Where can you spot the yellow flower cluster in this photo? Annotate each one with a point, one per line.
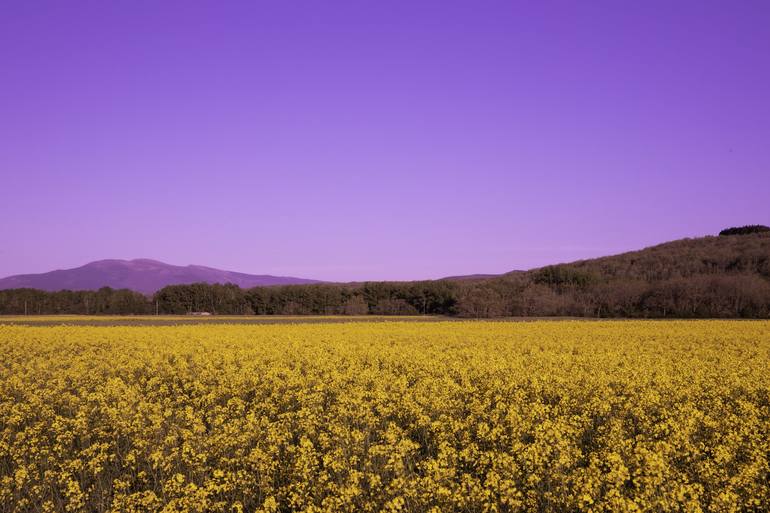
(387, 417)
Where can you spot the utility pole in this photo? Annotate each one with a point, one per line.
(156, 307)
(25, 307)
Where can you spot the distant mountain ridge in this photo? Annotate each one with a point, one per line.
(141, 275)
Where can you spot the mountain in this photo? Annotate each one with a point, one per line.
(142, 275)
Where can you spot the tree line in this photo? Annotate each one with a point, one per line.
(745, 230)
(709, 277)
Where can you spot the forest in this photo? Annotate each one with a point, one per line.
(721, 277)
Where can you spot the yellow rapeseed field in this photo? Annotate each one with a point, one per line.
(369, 417)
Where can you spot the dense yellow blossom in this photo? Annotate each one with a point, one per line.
(387, 417)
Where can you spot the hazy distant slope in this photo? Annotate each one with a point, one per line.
(471, 277)
(141, 275)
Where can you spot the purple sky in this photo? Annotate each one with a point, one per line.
(377, 140)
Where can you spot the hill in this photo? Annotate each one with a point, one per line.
(140, 275)
(681, 258)
(726, 276)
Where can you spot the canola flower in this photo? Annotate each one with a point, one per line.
(387, 417)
